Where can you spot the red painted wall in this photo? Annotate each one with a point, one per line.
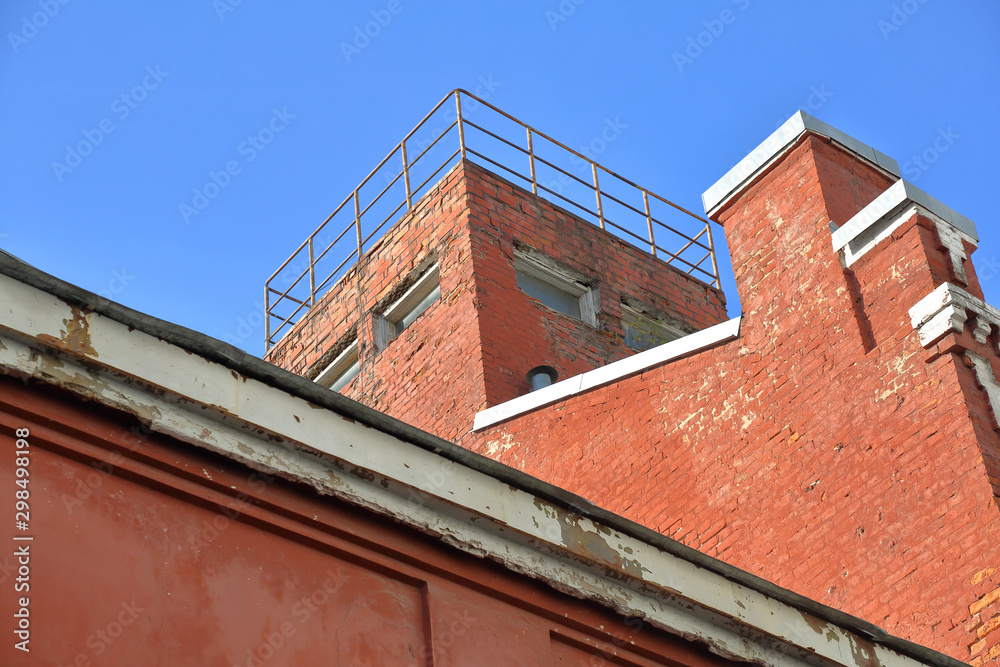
(146, 551)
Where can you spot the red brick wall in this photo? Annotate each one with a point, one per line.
(519, 333)
(431, 376)
(825, 450)
(473, 347)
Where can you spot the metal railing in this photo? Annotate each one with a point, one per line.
(315, 260)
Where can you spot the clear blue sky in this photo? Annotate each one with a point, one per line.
(896, 75)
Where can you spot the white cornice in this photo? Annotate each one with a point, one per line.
(775, 146)
(947, 310)
(885, 213)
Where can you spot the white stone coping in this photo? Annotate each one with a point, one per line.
(874, 222)
(617, 370)
(947, 309)
(776, 145)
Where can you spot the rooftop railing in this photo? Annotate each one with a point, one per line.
(486, 136)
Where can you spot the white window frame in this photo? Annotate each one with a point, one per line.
(333, 374)
(387, 324)
(589, 297)
(630, 313)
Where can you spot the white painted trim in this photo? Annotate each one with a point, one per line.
(411, 297)
(775, 146)
(535, 264)
(384, 323)
(337, 367)
(947, 309)
(614, 371)
(881, 217)
(984, 374)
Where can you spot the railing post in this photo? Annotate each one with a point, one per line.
(406, 176)
(531, 160)
(649, 223)
(461, 127)
(597, 190)
(312, 274)
(711, 247)
(357, 222)
(267, 316)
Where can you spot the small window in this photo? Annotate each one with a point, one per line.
(344, 368)
(643, 331)
(556, 290)
(405, 310)
(415, 312)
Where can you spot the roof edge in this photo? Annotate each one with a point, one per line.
(782, 139)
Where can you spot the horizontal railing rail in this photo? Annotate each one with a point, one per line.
(294, 288)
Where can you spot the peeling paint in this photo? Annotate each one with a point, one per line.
(591, 543)
(366, 475)
(816, 624)
(75, 336)
(863, 652)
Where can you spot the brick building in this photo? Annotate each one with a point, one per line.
(670, 486)
(839, 438)
(179, 502)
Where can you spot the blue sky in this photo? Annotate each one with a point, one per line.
(166, 94)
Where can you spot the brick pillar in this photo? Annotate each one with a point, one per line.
(835, 257)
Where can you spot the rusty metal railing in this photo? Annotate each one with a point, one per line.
(307, 273)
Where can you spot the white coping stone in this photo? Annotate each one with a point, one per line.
(606, 374)
(899, 194)
(947, 308)
(774, 146)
